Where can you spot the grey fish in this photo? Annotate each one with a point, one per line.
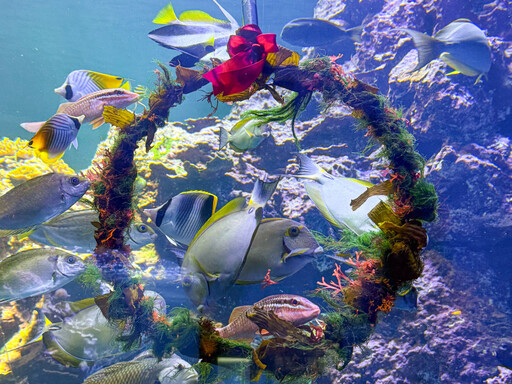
(195, 32)
(37, 200)
(312, 32)
(281, 245)
(461, 45)
(74, 231)
(182, 216)
(146, 369)
(296, 309)
(217, 254)
(246, 134)
(37, 271)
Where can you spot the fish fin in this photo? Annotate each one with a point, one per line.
(74, 143)
(126, 86)
(195, 15)
(262, 191)
(364, 183)
(249, 133)
(294, 252)
(77, 306)
(223, 138)
(166, 15)
(57, 353)
(355, 33)
(32, 127)
(238, 311)
(425, 46)
(22, 232)
(26, 233)
(97, 122)
(104, 81)
(62, 107)
(230, 18)
(315, 195)
(308, 169)
(456, 72)
(239, 124)
(478, 79)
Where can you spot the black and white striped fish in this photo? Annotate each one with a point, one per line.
(182, 216)
(82, 82)
(54, 137)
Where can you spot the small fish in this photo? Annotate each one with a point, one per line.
(54, 137)
(194, 33)
(74, 231)
(407, 301)
(292, 308)
(82, 82)
(91, 106)
(218, 252)
(37, 271)
(312, 32)
(332, 196)
(246, 134)
(146, 369)
(461, 45)
(38, 200)
(182, 216)
(281, 245)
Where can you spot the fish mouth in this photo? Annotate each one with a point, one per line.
(318, 250)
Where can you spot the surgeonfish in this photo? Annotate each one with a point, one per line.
(292, 308)
(182, 216)
(312, 32)
(332, 196)
(74, 231)
(194, 32)
(38, 200)
(54, 137)
(281, 245)
(91, 106)
(245, 134)
(145, 368)
(37, 271)
(461, 45)
(82, 82)
(218, 252)
(408, 300)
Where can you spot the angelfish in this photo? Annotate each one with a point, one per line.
(82, 82)
(292, 308)
(38, 200)
(91, 106)
(332, 196)
(218, 252)
(461, 45)
(55, 136)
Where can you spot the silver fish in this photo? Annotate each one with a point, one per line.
(182, 216)
(461, 45)
(281, 245)
(82, 82)
(91, 106)
(74, 231)
(292, 308)
(245, 134)
(37, 200)
(312, 32)
(217, 254)
(37, 271)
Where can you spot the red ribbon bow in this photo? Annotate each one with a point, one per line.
(248, 50)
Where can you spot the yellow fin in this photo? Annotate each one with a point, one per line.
(453, 73)
(210, 42)
(239, 124)
(97, 122)
(119, 117)
(215, 198)
(199, 16)
(77, 306)
(365, 183)
(105, 81)
(238, 311)
(126, 86)
(166, 15)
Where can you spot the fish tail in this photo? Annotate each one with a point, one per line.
(262, 191)
(426, 47)
(355, 33)
(308, 169)
(223, 138)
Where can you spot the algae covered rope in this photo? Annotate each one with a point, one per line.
(113, 184)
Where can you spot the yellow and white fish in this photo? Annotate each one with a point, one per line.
(83, 82)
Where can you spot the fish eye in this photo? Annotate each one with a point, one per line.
(142, 228)
(187, 280)
(71, 260)
(293, 231)
(295, 302)
(74, 181)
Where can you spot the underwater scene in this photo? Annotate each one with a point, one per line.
(238, 191)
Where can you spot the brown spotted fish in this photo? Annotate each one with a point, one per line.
(292, 308)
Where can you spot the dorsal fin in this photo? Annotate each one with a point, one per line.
(239, 311)
(197, 16)
(166, 15)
